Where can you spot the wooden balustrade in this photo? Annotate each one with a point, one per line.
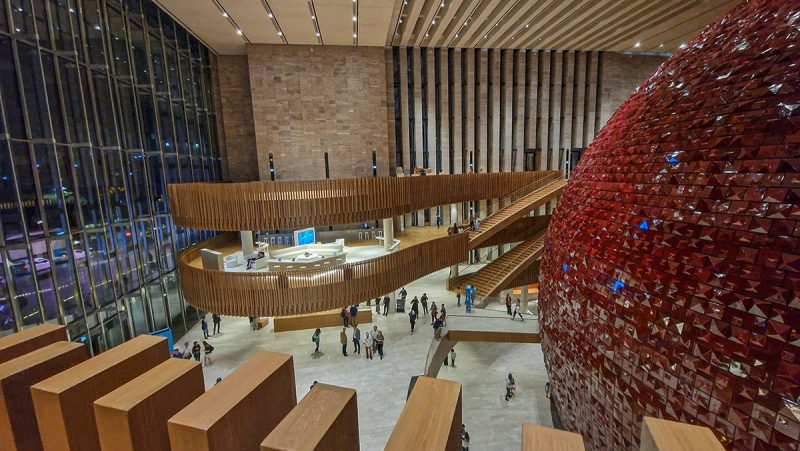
(295, 204)
(283, 293)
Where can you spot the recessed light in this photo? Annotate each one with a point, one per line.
(239, 32)
(355, 35)
(637, 45)
(313, 17)
(355, 18)
(485, 36)
(465, 23)
(269, 15)
(224, 14)
(433, 22)
(280, 33)
(317, 34)
(661, 45)
(456, 35)
(527, 25)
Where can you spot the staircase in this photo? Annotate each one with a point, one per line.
(519, 208)
(494, 277)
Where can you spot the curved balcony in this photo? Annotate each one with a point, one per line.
(297, 204)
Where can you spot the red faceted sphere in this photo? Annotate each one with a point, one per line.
(671, 275)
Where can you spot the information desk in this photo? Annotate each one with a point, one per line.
(329, 318)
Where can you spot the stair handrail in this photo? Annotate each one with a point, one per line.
(525, 190)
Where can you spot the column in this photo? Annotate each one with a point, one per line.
(453, 215)
(247, 242)
(388, 233)
(523, 300)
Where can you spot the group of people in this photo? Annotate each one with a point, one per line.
(378, 301)
(373, 341)
(195, 352)
(517, 308)
(216, 320)
(349, 316)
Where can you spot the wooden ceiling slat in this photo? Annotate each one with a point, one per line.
(446, 21)
(426, 16)
(469, 8)
(628, 37)
(689, 26)
(295, 20)
(552, 21)
(410, 20)
(514, 20)
(578, 35)
(551, 12)
(633, 22)
(487, 19)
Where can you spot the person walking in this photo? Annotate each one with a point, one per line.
(253, 323)
(511, 386)
(315, 339)
(345, 314)
(386, 305)
(517, 311)
(196, 351)
(354, 315)
(343, 341)
(368, 342)
(403, 294)
(216, 320)
(204, 326)
(443, 316)
(415, 306)
(508, 303)
(438, 220)
(356, 339)
(434, 312)
(458, 297)
(424, 301)
(453, 357)
(207, 350)
(378, 305)
(412, 318)
(379, 339)
(464, 439)
(477, 224)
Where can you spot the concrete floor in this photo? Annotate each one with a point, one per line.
(493, 423)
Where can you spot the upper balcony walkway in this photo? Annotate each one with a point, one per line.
(278, 293)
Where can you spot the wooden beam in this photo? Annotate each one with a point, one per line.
(665, 435)
(18, 427)
(64, 402)
(540, 438)
(431, 418)
(134, 416)
(492, 336)
(30, 339)
(325, 419)
(327, 318)
(241, 410)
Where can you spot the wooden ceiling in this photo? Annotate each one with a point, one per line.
(227, 26)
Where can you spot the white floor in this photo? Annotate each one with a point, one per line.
(493, 423)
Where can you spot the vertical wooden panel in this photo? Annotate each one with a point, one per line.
(508, 110)
(64, 402)
(520, 110)
(134, 416)
(432, 124)
(431, 418)
(556, 81)
(30, 339)
(482, 109)
(418, 144)
(19, 429)
(387, 161)
(404, 109)
(458, 108)
(591, 99)
(471, 125)
(444, 110)
(532, 132)
(496, 109)
(325, 419)
(579, 101)
(566, 107)
(240, 411)
(544, 110)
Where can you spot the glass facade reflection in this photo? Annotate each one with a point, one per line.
(102, 104)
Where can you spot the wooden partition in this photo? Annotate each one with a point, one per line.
(665, 435)
(134, 416)
(327, 318)
(18, 427)
(325, 419)
(30, 339)
(540, 438)
(284, 293)
(240, 411)
(431, 418)
(64, 402)
(297, 204)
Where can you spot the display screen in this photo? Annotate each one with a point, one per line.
(305, 236)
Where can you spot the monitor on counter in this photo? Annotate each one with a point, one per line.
(304, 236)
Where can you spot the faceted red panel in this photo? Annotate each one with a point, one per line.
(671, 275)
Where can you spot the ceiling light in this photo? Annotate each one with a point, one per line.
(661, 45)
(280, 33)
(456, 35)
(239, 32)
(442, 5)
(313, 17)
(355, 18)
(269, 15)
(527, 25)
(465, 23)
(682, 46)
(317, 34)
(433, 22)
(355, 35)
(485, 36)
(637, 45)
(224, 14)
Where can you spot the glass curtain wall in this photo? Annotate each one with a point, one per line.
(102, 104)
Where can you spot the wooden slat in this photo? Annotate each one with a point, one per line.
(431, 418)
(325, 419)
(540, 438)
(30, 339)
(328, 318)
(134, 416)
(64, 402)
(19, 429)
(240, 411)
(665, 435)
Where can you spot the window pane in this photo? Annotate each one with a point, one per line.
(65, 167)
(119, 48)
(25, 299)
(105, 111)
(60, 14)
(53, 98)
(138, 184)
(20, 154)
(165, 121)
(126, 257)
(157, 62)
(12, 102)
(116, 186)
(22, 17)
(9, 207)
(47, 169)
(130, 126)
(40, 19)
(35, 96)
(157, 305)
(138, 50)
(73, 101)
(100, 267)
(7, 320)
(150, 130)
(93, 30)
(87, 188)
(158, 188)
(147, 247)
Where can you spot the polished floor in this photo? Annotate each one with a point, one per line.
(381, 386)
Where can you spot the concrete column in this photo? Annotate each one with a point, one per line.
(247, 242)
(388, 233)
(523, 300)
(453, 214)
(454, 271)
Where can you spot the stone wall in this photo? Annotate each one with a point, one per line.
(620, 75)
(237, 119)
(308, 100)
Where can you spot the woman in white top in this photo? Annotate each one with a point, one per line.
(368, 340)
